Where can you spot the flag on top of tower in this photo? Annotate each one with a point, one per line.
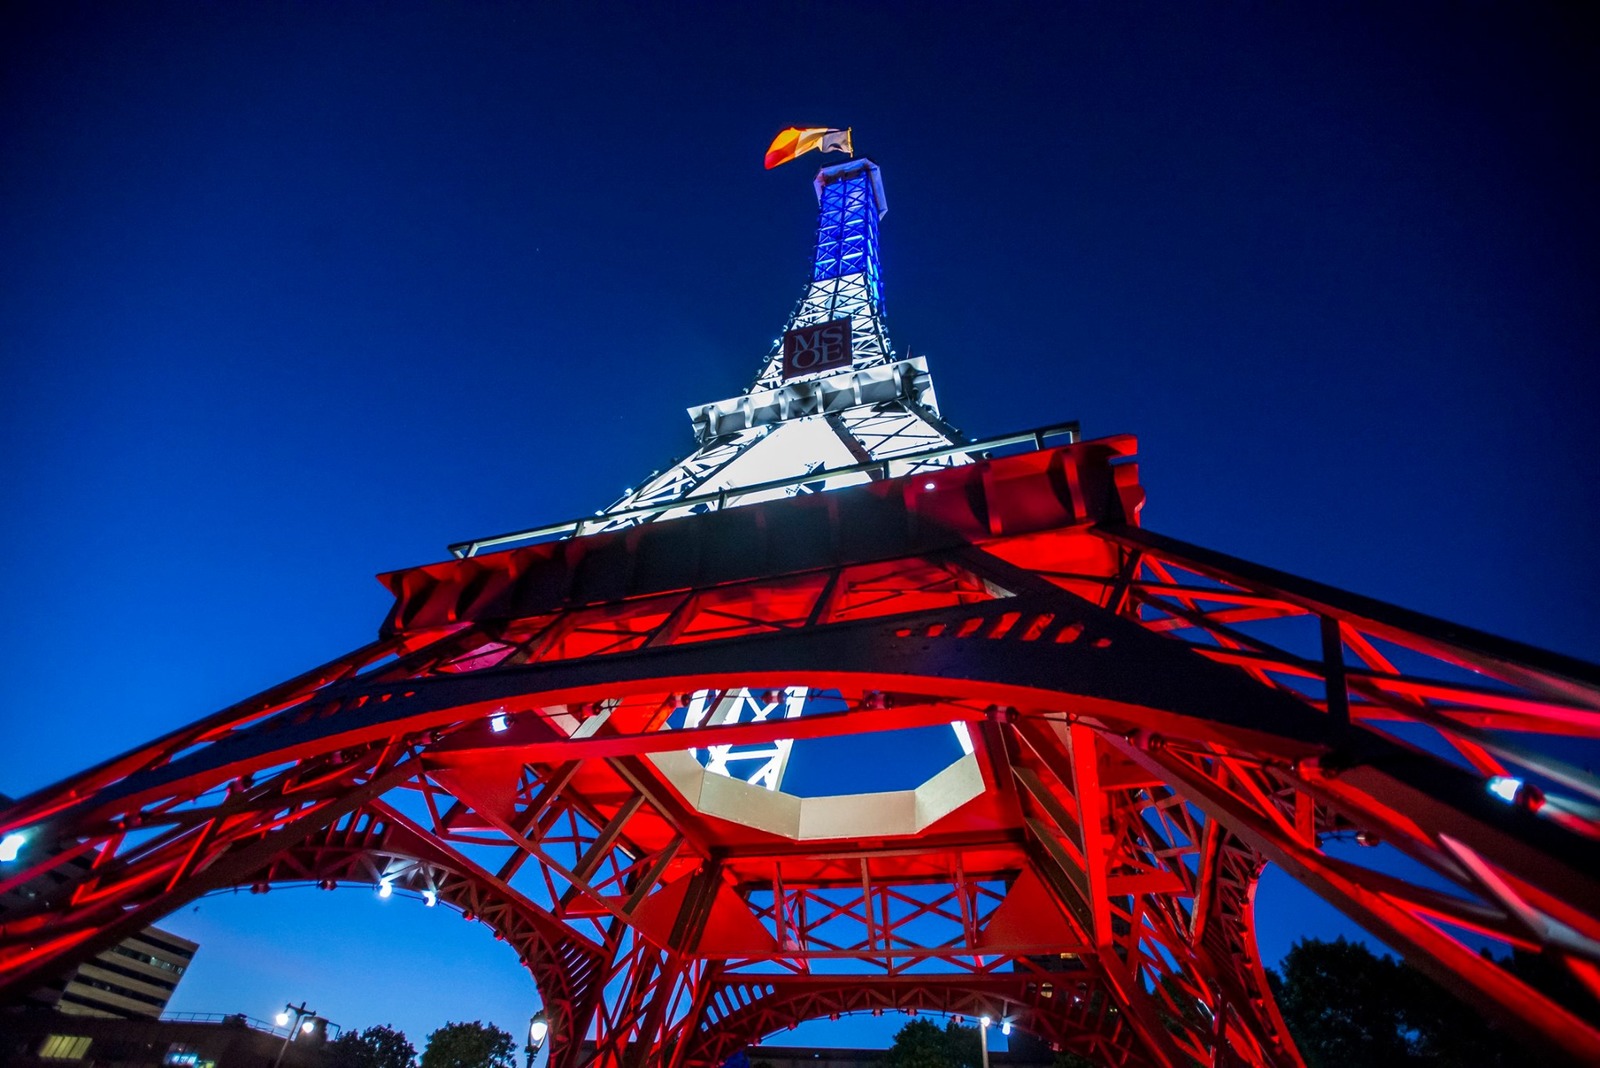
(797, 142)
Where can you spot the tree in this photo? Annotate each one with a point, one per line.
(1071, 1060)
(469, 1045)
(921, 1044)
(1346, 1005)
(376, 1047)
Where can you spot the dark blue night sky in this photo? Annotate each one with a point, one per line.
(294, 293)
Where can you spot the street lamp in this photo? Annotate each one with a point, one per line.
(538, 1030)
(983, 1037)
(299, 1020)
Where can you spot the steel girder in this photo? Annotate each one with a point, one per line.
(1147, 734)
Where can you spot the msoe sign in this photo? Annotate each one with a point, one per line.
(809, 349)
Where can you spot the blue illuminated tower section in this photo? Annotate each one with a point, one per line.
(846, 272)
(847, 236)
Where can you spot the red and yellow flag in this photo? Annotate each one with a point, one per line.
(797, 142)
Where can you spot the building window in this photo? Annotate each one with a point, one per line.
(64, 1048)
(146, 958)
(120, 991)
(182, 1055)
(162, 943)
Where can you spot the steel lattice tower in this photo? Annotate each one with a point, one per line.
(605, 708)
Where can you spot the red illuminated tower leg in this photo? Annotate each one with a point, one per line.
(1117, 767)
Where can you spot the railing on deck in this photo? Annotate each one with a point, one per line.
(1032, 440)
(222, 1018)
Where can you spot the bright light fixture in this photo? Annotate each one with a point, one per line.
(497, 722)
(987, 1020)
(306, 1026)
(927, 485)
(283, 1019)
(430, 898)
(385, 886)
(11, 845)
(1502, 786)
(1005, 1027)
(538, 1027)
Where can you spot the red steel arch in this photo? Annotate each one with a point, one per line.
(1147, 735)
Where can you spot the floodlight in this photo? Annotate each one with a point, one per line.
(1502, 786)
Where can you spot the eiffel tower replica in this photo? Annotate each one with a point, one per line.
(578, 735)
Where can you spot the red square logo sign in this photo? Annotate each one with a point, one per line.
(808, 350)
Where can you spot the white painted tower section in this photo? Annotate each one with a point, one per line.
(877, 408)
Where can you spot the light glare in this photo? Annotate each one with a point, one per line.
(497, 722)
(987, 1021)
(283, 1019)
(1005, 1027)
(429, 898)
(11, 845)
(1505, 788)
(385, 887)
(307, 1026)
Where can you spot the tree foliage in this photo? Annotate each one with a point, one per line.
(922, 1044)
(1345, 1005)
(1071, 1060)
(469, 1045)
(380, 1046)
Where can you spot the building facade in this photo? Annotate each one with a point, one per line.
(56, 1040)
(133, 979)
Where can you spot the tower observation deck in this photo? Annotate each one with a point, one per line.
(577, 736)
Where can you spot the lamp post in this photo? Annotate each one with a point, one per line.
(294, 1017)
(983, 1038)
(538, 1030)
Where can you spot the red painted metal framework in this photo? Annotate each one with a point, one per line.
(1153, 723)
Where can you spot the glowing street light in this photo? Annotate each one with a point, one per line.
(300, 1021)
(538, 1031)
